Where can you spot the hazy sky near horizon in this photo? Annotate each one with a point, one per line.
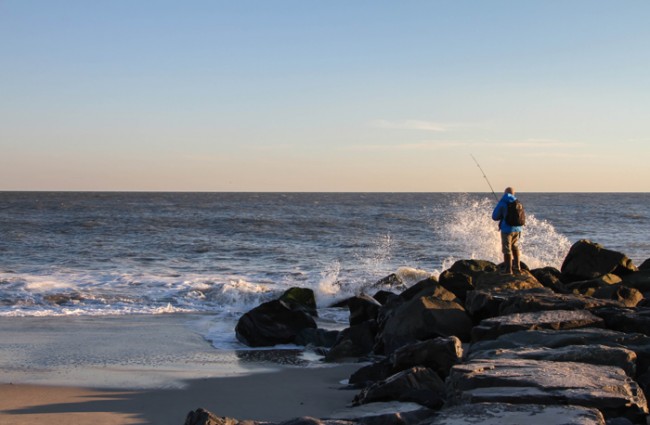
(325, 95)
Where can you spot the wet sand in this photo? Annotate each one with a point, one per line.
(150, 370)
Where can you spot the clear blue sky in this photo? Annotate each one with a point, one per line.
(324, 95)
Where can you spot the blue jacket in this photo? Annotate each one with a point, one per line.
(500, 211)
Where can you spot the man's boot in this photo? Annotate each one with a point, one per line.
(507, 263)
(517, 264)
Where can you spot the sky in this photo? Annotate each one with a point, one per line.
(306, 95)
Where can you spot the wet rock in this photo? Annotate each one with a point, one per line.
(423, 318)
(645, 265)
(384, 297)
(557, 320)
(591, 354)
(392, 281)
(587, 260)
(518, 381)
(438, 354)
(300, 299)
(61, 299)
(419, 384)
(385, 413)
(363, 308)
(505, 413)
(272, 323)
(372, 373)
(353, 342)
(316, 337)
(485, 304)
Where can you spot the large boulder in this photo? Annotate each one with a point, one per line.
(496, 281)
(587, 260)
(438, 354)
(419, 384)
(353, 342)
(317, 337)
(506, 413)
(300, 299)
(519, 381)
(272, 323)
(484, 304)
(424, 318)
(636, 342)
(587, 287)
(593, 354)
(460, 277)
(554, 319)
(639, 280)
(363, 308)
(629, 320)
(550, 277)
(626, 296)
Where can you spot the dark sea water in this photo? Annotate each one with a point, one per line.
(223, 253)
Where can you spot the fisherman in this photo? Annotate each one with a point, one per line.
(509, 234)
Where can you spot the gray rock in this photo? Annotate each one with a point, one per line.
(271, 323)
(485, 304)
(439, 354)
(639, 280)
(371, 373)
(587, 260)
(353, 342)
(628, 320)
(638, 343)
(528, 414)
(645, 265)
(459, 278)
(592, 354)
(362, 308)
(419, 384)
(317, 337)
(555, 319)
(518, 381)
(424, 318)
(628, 297)
(550, 277)
(300, 299)
(588, 287)
(392, 281)
(497, 281)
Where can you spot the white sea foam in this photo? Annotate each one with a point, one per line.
(471, 231)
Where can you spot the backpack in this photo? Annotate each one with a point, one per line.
(515, 215)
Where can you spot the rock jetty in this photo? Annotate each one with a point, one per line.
(544, 346)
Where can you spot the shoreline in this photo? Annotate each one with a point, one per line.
(151, 370)
(265, 396)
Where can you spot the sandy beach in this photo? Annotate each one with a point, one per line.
(149, 370)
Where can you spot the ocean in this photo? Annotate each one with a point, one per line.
(101, 254)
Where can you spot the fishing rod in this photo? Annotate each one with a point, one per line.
(485, 177)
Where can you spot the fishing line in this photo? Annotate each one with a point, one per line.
(484, 176)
